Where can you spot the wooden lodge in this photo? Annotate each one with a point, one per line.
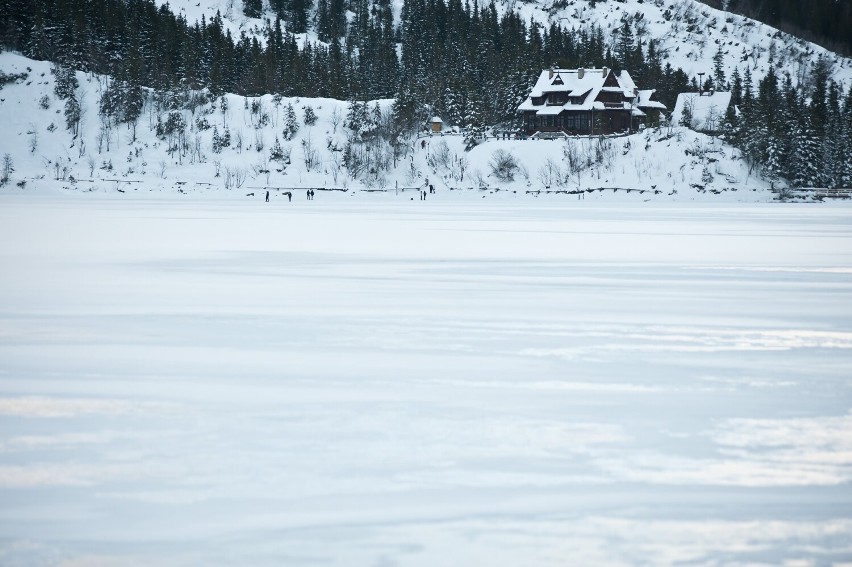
(587, 102)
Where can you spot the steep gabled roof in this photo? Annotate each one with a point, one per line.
(586, 87)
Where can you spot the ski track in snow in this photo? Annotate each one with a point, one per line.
(404, 383)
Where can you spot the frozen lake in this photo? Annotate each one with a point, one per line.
(392, 383)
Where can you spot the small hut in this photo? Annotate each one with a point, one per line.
(437, 124)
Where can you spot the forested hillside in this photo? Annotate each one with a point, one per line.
(468, 62)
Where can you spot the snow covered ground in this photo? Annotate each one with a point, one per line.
(198, 380)
(660, 164)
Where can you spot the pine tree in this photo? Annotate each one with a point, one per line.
(356, 117)
(299, 15)
(65, 82)
(719, 69)
(846, 141)
(323, 21)
(217, 141)
(72, 115)
(404, 111)
(133, 103)
(736, 88)
(772, 158)
(474, 125)
(276, 153)
(624, 48)
(833, 141)
(291, 122)
(310, 116)
(804, 155)
(110, 103)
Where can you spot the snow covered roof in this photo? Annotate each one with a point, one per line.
(549, 110)
(437, 120)
(644, 100)
(583, 84)
(575, 82)
(708, 109)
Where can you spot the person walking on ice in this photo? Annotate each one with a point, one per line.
(267, 196)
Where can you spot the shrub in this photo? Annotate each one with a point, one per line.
(503, 165)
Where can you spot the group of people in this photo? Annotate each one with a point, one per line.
(310, 194)
(423, 192)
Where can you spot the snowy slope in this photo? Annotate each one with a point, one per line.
(233, 18)
(674, 164)
(689, 33)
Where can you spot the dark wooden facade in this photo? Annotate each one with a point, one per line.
(579, 102)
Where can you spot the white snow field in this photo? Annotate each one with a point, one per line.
(385, 382)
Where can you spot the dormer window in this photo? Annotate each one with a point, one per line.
(557, 99)
(558, 80)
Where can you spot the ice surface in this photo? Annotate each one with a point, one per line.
(390, 382)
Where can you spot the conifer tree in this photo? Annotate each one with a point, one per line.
(65, 82)
(310, 116)
(719, 68)
(298, 17)
(474, 125)
(291, 122)
(73, 114)
(804, 153)
(625, 48)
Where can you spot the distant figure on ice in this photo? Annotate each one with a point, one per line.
(289, 196)
(267, 196)
(431, 188)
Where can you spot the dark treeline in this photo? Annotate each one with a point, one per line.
(462, 60)
(826, 22)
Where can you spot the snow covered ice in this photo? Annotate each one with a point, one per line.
(381, 382)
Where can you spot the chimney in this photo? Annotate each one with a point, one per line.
(605, 72)
(580, 73)
(550, 73)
